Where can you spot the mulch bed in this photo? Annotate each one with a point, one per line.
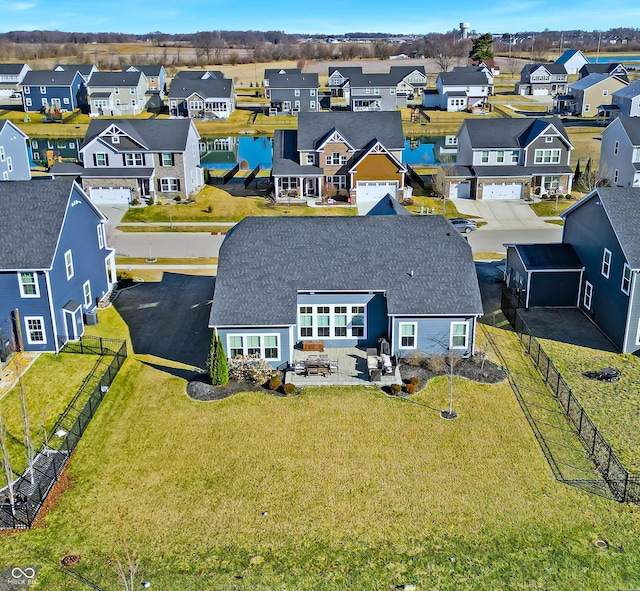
(200, 388)
(466, 368)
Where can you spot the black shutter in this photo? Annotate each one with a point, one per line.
(178, 180)
(159, 185)
(95, 160)
(106, 159)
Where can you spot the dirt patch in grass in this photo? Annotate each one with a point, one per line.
(200, 388)
(427, 368)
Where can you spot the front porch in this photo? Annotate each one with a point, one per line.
(336, 366)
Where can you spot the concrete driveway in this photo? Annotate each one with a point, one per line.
(169, 319)
(501, 214)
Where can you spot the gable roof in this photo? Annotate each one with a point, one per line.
(631, 126)
(12, 69)
(622, 207)
(368, 80)
(113, 79)
(630, 91)
(49, 78)
(603, 68)
(8, 124)
(291, 80)
(156, 135)
(509, 133)
(84, 69)
(389, 205)
(258, 278)
(31, 218)
(476, 78)
(593, 80)
(568, 54)
(154, 71)
(269, 72)
(346, 71)
(199, 75)
(206, 88)
(358, 128)
(554, 68)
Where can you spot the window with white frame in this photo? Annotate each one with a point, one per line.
(551, 182)
(286, 106)
(34, 144)
(335, 158)
(116, 90)
(547, 156)
(296, 92)
(606, 263)
(306, 321)
(484, 156)
(605, 92)
(265, 346)
(312, 105)
(169, 184)
(311, 158)
(638, 334)
(616, 147)
(616, 175)
(588, 295)
(5, 176)
(459, 335)
(338, 180)
(626, 279)
(2, 155)
(27, 90)
(336, 321)
(45, 102)
(68, 264)
(312, 92)
(548, 139)
(35, 330)
(65, 100)
(166, 159)
(133, 159)
(28, 283)
(101, 159)
(27, 102)
(86, 293)
(408, 334)
(132, 90)
(500, 156)
(100, 236)
(587, 108)
(43, 90)
(357, 321)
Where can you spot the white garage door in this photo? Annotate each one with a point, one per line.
(460, 190)
(110, 195)
(502, 191)
(373, 191)
(540, 91)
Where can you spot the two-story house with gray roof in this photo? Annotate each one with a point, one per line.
(85, 69)
(620, 153)
(15, 163)
(459, 91)
(127, 159)
(374, 92)
(608, 68)
(202, 94)
(509, 159)
(596, 268)
(572, 60)
(542, 79)
(11, 75)
(291, 92)
(55, 264)
(339, 79)
(117, 93)
(358, 154)
(156, 76)
(585, 96)
(625, 102)
(56, 92)
(277, 288)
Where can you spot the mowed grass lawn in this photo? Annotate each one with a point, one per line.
(224, 208)
(339, 488)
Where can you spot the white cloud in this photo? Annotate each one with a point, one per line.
(17, 6)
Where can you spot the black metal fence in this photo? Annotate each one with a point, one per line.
(624, 486)
(31, 489)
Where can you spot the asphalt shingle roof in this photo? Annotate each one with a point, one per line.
(567, 55)
(292, 80)
(13, 69)
(31, 217)
(182, 88)
(630, 91)
(49, 78)
(632, 127)
(588, 81)
(549, 256)
(286, 156)
(509, 133)
(556, 68)
(463, 78)
(113, 79)
(421, 262)
(198, 75)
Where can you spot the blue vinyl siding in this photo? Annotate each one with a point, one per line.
(433, 333)
(76, 95)
(375, 310)
(15, 147)
(284, 342)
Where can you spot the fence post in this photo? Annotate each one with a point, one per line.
(624, 490)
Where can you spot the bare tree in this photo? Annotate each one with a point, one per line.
(127, 565)
(28, 443)
(444, 50)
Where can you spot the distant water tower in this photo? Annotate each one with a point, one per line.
(464, 30)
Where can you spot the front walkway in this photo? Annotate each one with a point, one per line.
(348, 368)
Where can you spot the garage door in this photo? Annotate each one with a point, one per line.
(460, 190)
(110, 195)
(373, 191)
(540, 91)
(502, 191)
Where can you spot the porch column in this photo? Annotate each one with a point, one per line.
(301, 186)
(319, 181)
(276, 188)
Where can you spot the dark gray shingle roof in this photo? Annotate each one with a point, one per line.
(31, 217)
(632, 127)
(509, 133)
(286, 159)
(199, 75)
(49, 78)
(292, 80)
(265, 261)
(113, 79)
(373, 80)
(463, 78)
(540, 257)
(182, 88)
(12, 69)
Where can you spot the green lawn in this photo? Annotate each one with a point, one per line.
(335, 489)
(224, 208)
(614, 408)
(547, 207)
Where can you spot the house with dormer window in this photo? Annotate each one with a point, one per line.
(291, 92)
(358, 154)
(85, 69)
(129, 159)
(202, 94)
(117, 93)
(509, 159)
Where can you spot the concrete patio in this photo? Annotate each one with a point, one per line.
(348, 368)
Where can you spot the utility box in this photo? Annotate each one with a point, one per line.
(91, 318)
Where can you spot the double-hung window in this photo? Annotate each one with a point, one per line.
(588, 295)
(68, 264)
(547, 156)
(408, 334)
(28, 283)
(133, 159)
(324, 321)
(626, 279)
(340, 321)
(306, 321)
(35, 330)
(606, 263)
(357, 321)
(459, 335)
(86, 293)
(168, 184)
(166, 159)
(484, 157)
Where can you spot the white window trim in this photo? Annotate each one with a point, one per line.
(605, 268)
(35, 283)
(100, 236)
(466, 335)
(415, 335)
(28, 332)
(332, 325)
(616, 147)
(86, 296)
(638, 333)
(262, 347)
(588, 295)
(68, 264)
(165, 184)
(628, 281)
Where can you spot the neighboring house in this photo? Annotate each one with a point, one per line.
(129, 159)
(117, 93)
(427, 300)
(291, 92)
(374, 92)
(459, 91)
(572, 60)
(359, 154)
(11, 76)
(488, 72)
(586, 94)
(620, 153)
(47, 151)
(339, 77)
(14, 153)
(542, 79)
(55, 264)
(411, 81)
(624, 103)
(202, 94)
(156, 76)
(608, 69)
(489, 64)
(58, 91)
(596, 268)
(508, 159)
(85, 69)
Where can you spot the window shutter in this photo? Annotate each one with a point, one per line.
(95, 160)
(106, 159)
(159, 185)
(178, 182)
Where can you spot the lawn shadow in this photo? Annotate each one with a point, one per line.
(178, 372)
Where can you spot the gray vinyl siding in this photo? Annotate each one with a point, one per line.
(433, 333)
(589, 231)
(541, 144)
(289, 94)
(15, 147)
(622, 161)
(387, 100)
(284, 343)
(555, 289)
(465, 150)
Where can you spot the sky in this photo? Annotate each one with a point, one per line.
(327, 16)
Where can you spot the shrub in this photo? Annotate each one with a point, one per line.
(415, 380)
(395, 389)
(152, 200)
(274, 383)
(217, 363)
(544, 196)
(209, 208)
(407, 201)
(135, 201)
(411, 388)
(289, 389)
(415, 359)
(250, 369)
(177, 198)
(568, 196)
(436, 363)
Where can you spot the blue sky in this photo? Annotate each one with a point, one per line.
(328, 16)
